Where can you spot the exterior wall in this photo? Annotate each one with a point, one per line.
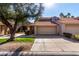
(35, 30)
(4, 30)
(45, 27)
(72, 28)
(0, 29)
(69, 28)
(61, 29)
(46, 30)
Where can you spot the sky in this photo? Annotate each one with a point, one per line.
(54, 9)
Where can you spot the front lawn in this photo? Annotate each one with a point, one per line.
(19, 40)
(24, 40)
(3, 40)
(19, 44)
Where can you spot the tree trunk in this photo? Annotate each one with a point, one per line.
(12, 35)
(13, 31)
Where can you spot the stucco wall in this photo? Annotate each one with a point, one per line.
(4, 29)
(46, 30)
(72, 28)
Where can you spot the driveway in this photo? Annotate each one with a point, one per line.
(55, 45)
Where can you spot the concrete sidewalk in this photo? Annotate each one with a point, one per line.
(8, 36)
(20, 35)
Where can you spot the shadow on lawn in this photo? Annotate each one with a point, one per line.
(7, 41)
(4, 42)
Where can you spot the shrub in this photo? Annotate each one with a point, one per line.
(76, 36)
(69, 35)
(28, 32)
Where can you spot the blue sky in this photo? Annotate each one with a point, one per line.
(56, 8)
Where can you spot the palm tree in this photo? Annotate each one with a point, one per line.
(61, 15)
(72, 16)
(68, 15)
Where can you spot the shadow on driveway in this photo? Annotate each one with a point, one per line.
(17, 51)
(47, 36)
(71, 40)
(57, 37)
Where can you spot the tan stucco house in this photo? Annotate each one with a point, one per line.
(46, 25)
(3, 29)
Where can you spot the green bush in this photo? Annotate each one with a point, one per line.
(76, 36)
(69, 35)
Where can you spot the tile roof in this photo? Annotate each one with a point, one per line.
(45, 19)
(44, 24)
(69, 21)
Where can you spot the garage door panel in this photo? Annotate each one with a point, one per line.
(46, 30)
(74, 29)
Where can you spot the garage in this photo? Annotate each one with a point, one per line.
(72, 28)
(46, 30)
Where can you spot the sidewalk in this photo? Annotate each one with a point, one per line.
(8, 36)
(16, 35)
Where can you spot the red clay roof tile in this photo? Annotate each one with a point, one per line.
(69, 21)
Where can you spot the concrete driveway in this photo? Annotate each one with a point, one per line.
(55, 45)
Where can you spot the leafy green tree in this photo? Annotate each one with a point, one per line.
(18, 14)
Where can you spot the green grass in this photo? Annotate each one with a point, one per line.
(18, 40)
(3, 40)
(24, 40)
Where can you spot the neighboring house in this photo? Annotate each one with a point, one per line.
(69, 25)
(52, 25)
(3, 29)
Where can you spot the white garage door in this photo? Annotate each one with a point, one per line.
(46, 30)
(74, 29)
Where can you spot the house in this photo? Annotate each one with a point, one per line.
(50, 26)
(69, 25)
(3, 29)
(46, 26)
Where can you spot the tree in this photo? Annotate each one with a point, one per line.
(72, 16)
(68, 15)
(61, 15)
(18, 14)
